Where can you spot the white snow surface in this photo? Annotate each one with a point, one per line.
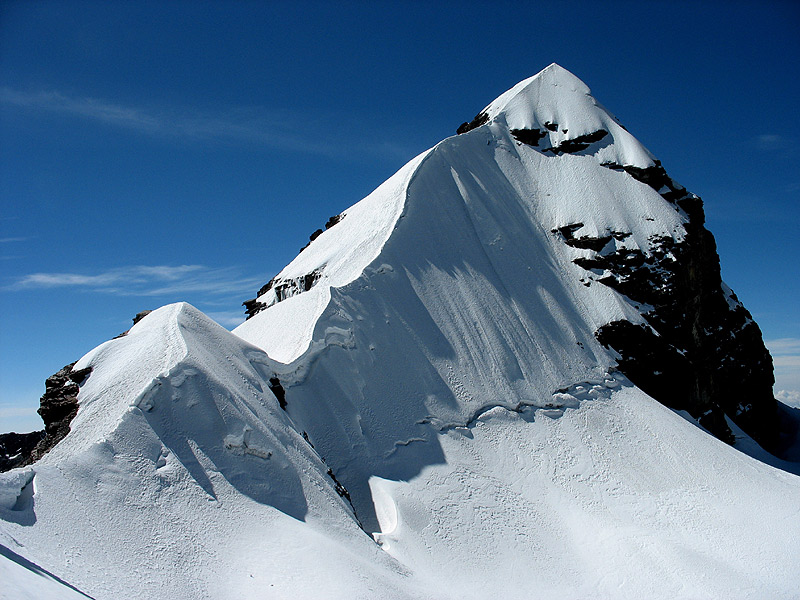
(444, 368)
(341, 254)
(555, 96)
(182, 478)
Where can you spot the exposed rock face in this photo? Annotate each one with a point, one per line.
(480, 119)
(57, 407)
(15, 448)
(578, 143)
(328, 224)
(571, 145)
(789, 445)
(528, 136)
(702, 351)
(139, 316)
(252, 307)
(277, 389)
(286, 288)
(332, 221)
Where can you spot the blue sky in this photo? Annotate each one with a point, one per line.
(152, 152)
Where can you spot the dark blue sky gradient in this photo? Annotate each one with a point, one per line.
(221, 134)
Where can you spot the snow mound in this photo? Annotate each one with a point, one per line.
(559, 105)
(180, 469)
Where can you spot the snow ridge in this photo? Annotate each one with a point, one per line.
(427, 412)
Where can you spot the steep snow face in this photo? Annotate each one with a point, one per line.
(472, 301)
(485, 300)
(561, 108)
(334, 259)
(564, 192)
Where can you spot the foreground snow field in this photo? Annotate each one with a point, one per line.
(452, 428)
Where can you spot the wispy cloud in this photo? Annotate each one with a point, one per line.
(783, 346)
(789, 397)
(786, 359)
(275, 128)
(770, 142)
(9, 240)
(227, 318)
(141, 280)
(8, 411)
(85, 107)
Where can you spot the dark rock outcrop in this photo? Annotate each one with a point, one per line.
(789, 444)
(528, 136)
(328, 224)
(57, 407)
(284, 288)
(333, 221)
(139, 316)
(656, 177)
(702, 351)
(16, 448)
(578, 143)
(664, 372)
(480, 119)
(587, 242)
(531, 137)
(277, 389)
(252, 307)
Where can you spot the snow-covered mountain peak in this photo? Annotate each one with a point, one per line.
(536, 96)
(471, 367)
(555, 111)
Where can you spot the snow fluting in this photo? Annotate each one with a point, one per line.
(454, 426)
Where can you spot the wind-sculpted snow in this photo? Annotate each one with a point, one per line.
(181, 468)
(618, 498)
(420, 405)
(474, 308)
(334, 258)
(28, 581)
(471, 302)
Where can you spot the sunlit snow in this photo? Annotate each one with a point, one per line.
(444, 369)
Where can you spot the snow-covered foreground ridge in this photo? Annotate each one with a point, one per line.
(448, 394)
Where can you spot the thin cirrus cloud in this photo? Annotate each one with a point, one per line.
(272, 128)
(784, 346)
(786, 360)
(227, 318)
(142, 280)
(771, 141)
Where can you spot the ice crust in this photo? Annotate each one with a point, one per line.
(444, 369)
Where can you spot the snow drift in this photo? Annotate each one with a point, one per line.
(435, 399)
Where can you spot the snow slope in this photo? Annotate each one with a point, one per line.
(182, 478)
(443, 365)
(340, 254)
(473, 302)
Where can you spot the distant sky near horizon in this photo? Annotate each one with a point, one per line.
(153, 152)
